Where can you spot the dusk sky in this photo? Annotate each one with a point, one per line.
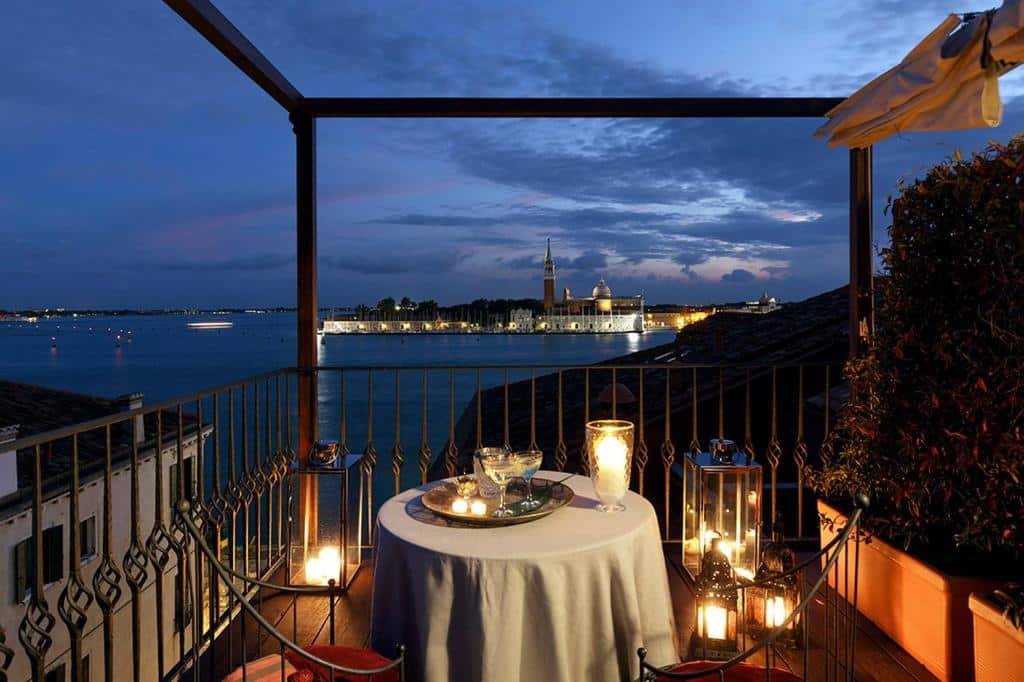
(142, 169)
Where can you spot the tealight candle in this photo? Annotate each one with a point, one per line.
(460, 506)
(478, 508)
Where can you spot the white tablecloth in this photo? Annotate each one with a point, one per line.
(568, 597)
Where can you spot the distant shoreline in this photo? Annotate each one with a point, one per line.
(52, 313)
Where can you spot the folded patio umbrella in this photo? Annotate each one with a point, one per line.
(950, 81)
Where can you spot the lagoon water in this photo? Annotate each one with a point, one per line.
(161, 357)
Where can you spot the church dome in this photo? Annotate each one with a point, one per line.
(601, 290)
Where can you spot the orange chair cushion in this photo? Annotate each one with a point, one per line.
(266, 668)
(343, 656)
(741, 672)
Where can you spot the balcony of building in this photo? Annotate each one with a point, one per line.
(103, 610)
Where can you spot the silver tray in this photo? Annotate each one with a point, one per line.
(439, 501)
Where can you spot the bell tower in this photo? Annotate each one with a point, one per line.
(549, 280)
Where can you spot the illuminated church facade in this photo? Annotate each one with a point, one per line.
(599, 313)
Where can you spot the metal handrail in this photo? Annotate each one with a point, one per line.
(118, 417)
(675, 366)
(184, 509)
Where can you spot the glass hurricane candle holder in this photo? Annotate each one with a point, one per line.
(609, 450)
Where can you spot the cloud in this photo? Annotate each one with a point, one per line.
(251, 263)
(435, 262)
(588, 261)
(739, 275)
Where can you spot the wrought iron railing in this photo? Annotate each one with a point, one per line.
(227, 449)
(131, 603)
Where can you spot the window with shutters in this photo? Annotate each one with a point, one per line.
(189, 482)
(24, 562)
(87, 538)
(55, 674)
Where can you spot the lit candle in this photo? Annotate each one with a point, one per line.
(775, 612)
(323, 567)
(714, 620)
(612, 476)
(744, 573)
(752, 498)
(478, 508)
(460, 506)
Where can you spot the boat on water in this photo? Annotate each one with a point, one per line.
(210, 325)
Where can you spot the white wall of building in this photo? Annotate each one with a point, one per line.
(591, 324)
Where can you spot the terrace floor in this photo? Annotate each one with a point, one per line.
(877, 656)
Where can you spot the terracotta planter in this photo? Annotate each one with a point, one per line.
(998, 646)
(924, 610)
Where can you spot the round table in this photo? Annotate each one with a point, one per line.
(571, 596)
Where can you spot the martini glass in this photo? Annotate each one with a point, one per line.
(501, 467)
(529, 464)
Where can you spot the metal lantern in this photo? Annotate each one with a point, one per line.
(716, 635)
(326, 543)
(722, 499)
(779, 594)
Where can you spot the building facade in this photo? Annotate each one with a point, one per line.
(599, 313)
(18, 548)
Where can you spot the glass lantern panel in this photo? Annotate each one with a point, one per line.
(722, 500)
(691, 527)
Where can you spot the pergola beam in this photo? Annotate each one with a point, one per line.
(222, 34)
(569, 107)
(862, 287)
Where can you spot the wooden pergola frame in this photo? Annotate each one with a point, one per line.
(304, 112)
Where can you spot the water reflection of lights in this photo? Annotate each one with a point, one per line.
(633, 341)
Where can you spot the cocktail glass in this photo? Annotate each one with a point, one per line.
(529, 464)
(500, 467)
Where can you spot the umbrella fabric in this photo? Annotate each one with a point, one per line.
(945, 83)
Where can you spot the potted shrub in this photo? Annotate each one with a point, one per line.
(934, 429)
(999, 635)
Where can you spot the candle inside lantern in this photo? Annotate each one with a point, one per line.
(750, 540)
(323, 567)
(775, 612)
(715, 619)
(744, 573)
(460, 506)
(752, 498)
(478, 508)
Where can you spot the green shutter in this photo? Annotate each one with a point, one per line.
(22, 569)
(53, 554)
